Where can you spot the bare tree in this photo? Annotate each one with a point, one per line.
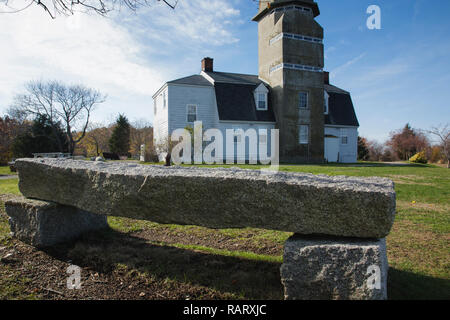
(69, 7)
(141, 133)
(442, 132)
(375, 150)
(70, 105)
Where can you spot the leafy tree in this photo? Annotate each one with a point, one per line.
(363, 150)
(96, 140)
(10, 128)
(43, 136)
(407, 142)
(419, 157)
(119, 142)
(436, 154)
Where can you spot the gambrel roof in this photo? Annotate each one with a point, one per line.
(340, 108)
(235, 99)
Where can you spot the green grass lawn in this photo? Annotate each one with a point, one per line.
(6, 171)
(418, 245)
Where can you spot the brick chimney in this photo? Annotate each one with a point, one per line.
(326, 77)
(208, 64)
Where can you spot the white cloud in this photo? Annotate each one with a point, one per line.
(346, 65)
(123, 56)
(198, 21)
(87, 48)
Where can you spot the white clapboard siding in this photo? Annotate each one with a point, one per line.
(348, 153)
(180, 96)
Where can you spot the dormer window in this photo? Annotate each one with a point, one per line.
(261, 100)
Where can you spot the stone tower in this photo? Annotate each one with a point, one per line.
(291, 61)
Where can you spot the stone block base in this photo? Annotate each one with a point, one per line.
(41, 223)
(318, 267)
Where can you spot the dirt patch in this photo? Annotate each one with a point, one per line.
(115, 265)
(213, 239)
(47, 279)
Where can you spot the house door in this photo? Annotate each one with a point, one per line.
(331, 148)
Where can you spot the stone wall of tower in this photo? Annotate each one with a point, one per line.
(287, 83)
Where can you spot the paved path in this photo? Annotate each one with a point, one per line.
(5, 177)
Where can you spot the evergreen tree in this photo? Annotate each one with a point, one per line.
(43, 137)
(119, 142)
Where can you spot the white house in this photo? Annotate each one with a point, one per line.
(240, 101)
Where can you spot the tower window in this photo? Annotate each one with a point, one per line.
(191, 113)
(303, 134)
(303, 100)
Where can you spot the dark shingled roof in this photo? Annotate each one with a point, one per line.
(340, 108)
(235, 101)
(195, 80)
(234, 77)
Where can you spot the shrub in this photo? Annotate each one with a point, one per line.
(419, 157)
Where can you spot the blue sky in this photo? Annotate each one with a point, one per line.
(396, 75)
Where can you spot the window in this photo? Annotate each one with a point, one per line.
(260, 96)
(325, 103)
(344, 136)
(262, 101)
(154, 105)
(303, 100)
(191, 113)
(303, 133)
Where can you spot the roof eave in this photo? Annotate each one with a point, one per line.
(262, 13)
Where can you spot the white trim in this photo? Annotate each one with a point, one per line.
(207, 77)
(294, 36)
(299, 8)
(264, 81)
(190, 85)
(247, 122)
(261, 90)
(294, 66)
(160, 89)
(339, 126)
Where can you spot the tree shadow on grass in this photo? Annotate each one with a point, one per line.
(103, 251)
(250, 279)
(404, 285)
